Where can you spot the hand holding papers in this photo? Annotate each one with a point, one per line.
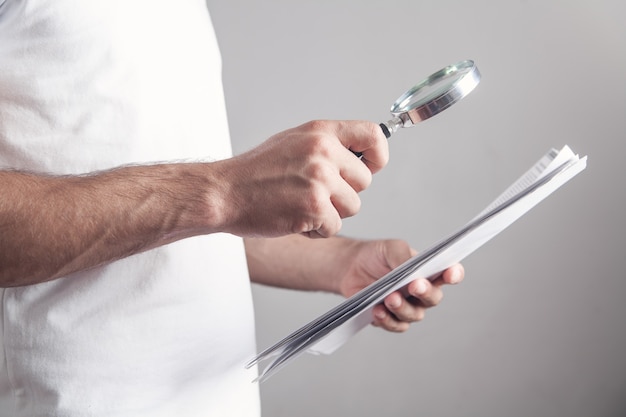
(329, 331)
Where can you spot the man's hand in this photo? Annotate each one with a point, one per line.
(303, 180)
(345, 266)
(400, 308)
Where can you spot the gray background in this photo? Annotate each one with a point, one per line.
(538, 327)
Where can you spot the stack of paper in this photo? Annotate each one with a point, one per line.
(332, 329)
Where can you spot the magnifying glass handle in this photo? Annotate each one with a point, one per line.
(385, 130)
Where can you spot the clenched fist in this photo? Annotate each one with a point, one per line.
(303, 180)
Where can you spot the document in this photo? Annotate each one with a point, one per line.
(331, 330)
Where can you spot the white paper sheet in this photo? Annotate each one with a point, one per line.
(332, 329)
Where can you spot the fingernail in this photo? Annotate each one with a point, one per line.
(456, 276)
(379, 314)
(421, 287)
(394, 302)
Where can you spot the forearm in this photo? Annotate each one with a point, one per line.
(304, 180)
(300, 263)
(53, 226)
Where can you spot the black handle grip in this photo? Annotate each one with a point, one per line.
(385, 130)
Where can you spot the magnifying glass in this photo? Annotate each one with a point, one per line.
(432, 96)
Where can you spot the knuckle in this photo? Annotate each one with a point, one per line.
(361, 179)
(333, 228)
(396, 326)
(302, 226)
(320, 137)
(317, 200)
(319, 144)
(366, 181)
(355, 207)
(316, 170)
(328, 227)
(433, 298)
(317, 125)
(350, 207)
(316, 217)
(438, 299)
(419, 314)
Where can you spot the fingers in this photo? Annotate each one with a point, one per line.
(332, 140)
(357, 136)
(398, 310)
(302, 180)
(453, 275)
(412, 307)
(366, 138)
(385, 319)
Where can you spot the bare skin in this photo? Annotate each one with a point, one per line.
(345, 266)
(300, 182)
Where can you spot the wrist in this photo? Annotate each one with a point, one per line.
(198, 192)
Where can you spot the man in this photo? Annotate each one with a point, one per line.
(125, 279)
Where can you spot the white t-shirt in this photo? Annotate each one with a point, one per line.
(87, 85)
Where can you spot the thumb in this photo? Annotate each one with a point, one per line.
(396, 252)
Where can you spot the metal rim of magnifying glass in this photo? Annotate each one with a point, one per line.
(459, 89)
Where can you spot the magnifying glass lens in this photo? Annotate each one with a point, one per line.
(433, 95)
(429, 90)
